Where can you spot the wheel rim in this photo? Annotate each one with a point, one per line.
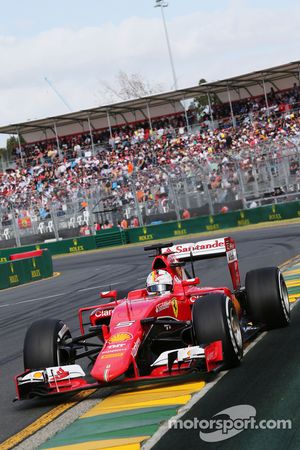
(234, 330)
(62, 356)
(284, 297)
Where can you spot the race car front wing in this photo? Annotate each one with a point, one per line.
(72, 378)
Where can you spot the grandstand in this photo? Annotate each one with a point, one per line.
(148, 160)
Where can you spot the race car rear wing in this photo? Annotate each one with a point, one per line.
(211, 248)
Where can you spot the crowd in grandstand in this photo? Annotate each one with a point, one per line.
(138, 162)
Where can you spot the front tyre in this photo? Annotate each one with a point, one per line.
(267, 297)
(44, 345)
(214, 318)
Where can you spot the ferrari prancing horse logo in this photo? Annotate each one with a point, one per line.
(174, 306)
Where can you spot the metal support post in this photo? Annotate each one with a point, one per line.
(20, 148)
(109, 124)
(57, 142)
(231, 109)
(91, 135)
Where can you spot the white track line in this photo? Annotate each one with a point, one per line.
(98, 287)
(33, 300)
(5, 305)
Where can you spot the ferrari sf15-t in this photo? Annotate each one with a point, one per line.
(145, 336)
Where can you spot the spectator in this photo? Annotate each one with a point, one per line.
(186, 214)
(135, 222)
(97, 226)
(124, 224)
(151, 158)
(84, 230)
(224, 209)
(294, 167)
(107, 225)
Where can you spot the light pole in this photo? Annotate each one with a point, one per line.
(163, 4)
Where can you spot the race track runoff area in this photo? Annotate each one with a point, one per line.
(127, 419)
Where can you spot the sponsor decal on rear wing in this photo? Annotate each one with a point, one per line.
(198, 250)
(211, 248)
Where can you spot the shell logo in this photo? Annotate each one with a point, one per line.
(37, 375)
(120, 337)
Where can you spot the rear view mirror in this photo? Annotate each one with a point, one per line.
(191, 282)
(109, 294)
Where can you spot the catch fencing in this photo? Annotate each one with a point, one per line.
(170, 230)
(188, 189)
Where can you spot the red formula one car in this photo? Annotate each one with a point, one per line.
(171, 327)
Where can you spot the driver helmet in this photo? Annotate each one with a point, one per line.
(159, 282)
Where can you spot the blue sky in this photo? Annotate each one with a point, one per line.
(81, 45)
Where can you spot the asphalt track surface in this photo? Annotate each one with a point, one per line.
(268, 379)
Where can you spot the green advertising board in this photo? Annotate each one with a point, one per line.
(172, 230)
(269, 213)
(21, 271)
(75, 245)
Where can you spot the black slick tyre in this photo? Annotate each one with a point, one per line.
(43, 345)
(214, 318)
(267, 297)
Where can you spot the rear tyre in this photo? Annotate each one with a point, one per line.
(214, 318)
(267, 297)
(44, 345)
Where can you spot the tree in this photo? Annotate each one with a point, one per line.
(12, 143)
(127, 87)
(2, 151)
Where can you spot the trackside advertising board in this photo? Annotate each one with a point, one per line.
(25, 270)
(107, 238)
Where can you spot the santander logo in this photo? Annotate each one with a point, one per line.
(204, 245)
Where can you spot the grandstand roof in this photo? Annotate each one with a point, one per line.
(242, 86)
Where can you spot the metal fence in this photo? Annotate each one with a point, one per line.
(190, 188)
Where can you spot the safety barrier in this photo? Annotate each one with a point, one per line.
(103, 238)
(23, 268)
(76, 245)
(217, 222)
(111, 237)
(173, 230)
(26, 255)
